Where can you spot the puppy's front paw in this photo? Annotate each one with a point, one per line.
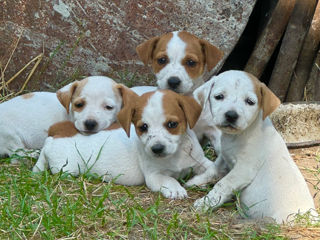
(199, 180)
(203, 204)
(174, 192)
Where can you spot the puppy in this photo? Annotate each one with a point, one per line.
(92, 103)
(160, 149)
(181, 62)
(260, 165)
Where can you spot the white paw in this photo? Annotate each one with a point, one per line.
(176, 192)
(199, 180)
(203, 204)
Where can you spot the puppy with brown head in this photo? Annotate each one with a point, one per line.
(179, 60)
(161, 147)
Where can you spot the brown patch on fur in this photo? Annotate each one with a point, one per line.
(27, 95)
(66, 97)
(76, 99)
(62, 130)
(138, 110)
(153, 49)
(125, 115)
(113, 126)
(267, 100)
(173, 103)
(193, 52)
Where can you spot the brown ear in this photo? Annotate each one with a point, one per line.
(146, 48)
(125, 115)
(191, 109)
(269, 101)
(65, 96)
(212, 53)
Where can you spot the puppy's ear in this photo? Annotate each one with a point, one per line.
(269, 101)
(65, 94)
(191, 109)
(145, 49)
(201, 94)
(125, 115)
(212, 53)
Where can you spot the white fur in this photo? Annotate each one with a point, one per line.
(261, 166)
(98, 93)
(176, 53)
(24, 122)
(129, 161)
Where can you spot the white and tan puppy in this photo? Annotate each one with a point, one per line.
(160, 149)
(260, 165)
(92, 103)
(181, 62)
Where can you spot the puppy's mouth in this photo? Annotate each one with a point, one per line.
(160, 155)
(88, 132)
(228, 127)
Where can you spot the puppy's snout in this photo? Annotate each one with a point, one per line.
(174, 82)
(231, 116)
(90, 124)
(158, 148)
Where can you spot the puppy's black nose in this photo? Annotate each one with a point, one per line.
(157, 148)
(231, 116)
(90, 124)
(174, 82)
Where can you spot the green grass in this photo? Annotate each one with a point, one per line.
(41, 205)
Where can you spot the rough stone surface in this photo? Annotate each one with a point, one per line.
(99, 37)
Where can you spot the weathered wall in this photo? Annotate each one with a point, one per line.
(99, 37)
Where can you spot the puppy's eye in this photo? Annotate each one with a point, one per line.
(172, 124)
(108, 107)
(219, 97)
(191, 63)
(79, 104)
(162, 60)
(143, 127)
(249, 101)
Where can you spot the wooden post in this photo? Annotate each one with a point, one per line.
(297, 28)
(315, 78)
(306, 58)
(269, 38)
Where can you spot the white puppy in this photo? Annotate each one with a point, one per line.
(92, 103)
(161, 149)
(260, 165)
(25, 120)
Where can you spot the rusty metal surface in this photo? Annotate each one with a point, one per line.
(99, 37)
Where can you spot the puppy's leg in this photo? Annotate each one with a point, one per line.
(168, 186)
(41, 164)
(213, 172)
(236, 180)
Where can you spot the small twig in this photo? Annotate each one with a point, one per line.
(305, 144)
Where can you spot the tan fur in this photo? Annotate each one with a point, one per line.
(129, 99)
(27, 95)
(268, 101)
(62, 130)
(198, 50)
(113, 126)
(65, 98)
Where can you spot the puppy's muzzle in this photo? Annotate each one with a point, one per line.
(231, 116)
(158, 149)
(90, 124)
(173, 83)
